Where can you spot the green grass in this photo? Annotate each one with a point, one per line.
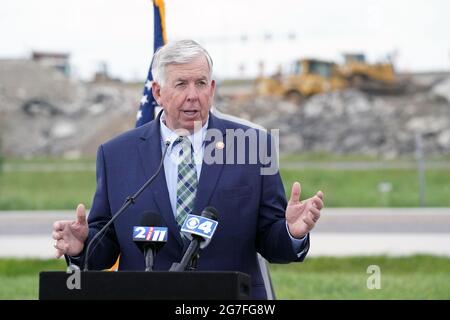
(414, 277)
(28, 190)
(45, 190)
(353, 286)
(40, 190)
(324, 157)
(347, 188)
(19, 278)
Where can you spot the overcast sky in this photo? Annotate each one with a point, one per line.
(120, 32)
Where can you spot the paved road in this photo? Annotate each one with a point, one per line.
(343, 231)
(325, 165)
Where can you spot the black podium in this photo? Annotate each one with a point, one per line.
(130, 285)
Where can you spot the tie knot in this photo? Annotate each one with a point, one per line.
(185, 148)
(183, 141)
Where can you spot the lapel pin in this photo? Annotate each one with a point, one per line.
(220, 145)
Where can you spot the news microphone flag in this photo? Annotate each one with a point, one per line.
(148, 104)
(200, 226)
(153, 234)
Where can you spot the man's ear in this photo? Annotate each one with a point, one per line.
(156, 91)
(213, 88)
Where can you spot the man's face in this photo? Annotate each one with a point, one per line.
(187, 94)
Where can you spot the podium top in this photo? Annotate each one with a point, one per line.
(138, 285)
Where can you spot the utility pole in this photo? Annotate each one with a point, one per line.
(420, 168)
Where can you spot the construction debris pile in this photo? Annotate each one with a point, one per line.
(351, 121)
(44, 113)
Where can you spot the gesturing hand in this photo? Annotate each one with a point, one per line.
(70, 235)
(302, 216)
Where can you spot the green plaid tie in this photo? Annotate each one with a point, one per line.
(186, 181)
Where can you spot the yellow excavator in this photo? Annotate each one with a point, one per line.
(371, 77)
(305, 77)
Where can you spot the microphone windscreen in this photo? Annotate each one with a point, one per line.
(152, 219)
(149, 219)
(210, 213)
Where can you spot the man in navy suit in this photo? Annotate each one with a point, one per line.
(232, 176)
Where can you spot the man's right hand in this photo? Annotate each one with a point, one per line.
(70, 235)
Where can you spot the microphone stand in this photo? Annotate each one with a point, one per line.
(149, 259)
(189, 260)
(193, 264)
(192, 254)
(129, 201)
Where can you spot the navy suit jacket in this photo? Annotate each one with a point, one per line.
(251, 207)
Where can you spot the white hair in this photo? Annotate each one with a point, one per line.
(178, 52)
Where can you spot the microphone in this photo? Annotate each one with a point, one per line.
(200, 229)
(150, 236)
(129, 201)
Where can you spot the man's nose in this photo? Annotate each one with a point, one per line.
(192, 93)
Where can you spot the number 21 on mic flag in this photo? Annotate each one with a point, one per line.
(146, 111)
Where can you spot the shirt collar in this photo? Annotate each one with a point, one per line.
(197, 138)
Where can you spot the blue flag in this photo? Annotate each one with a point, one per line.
(146, 111)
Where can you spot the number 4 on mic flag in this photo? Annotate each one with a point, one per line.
(148, 104)
(200, 226)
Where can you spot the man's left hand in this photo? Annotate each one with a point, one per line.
(302, 216)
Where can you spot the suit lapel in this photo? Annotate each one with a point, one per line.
(210, 173)
(149, 149)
